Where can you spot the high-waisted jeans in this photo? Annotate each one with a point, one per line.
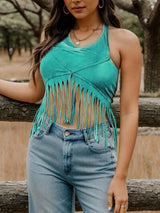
(63, 161)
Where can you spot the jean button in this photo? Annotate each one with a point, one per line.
(67, 133)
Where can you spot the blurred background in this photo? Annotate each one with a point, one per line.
(21, 23)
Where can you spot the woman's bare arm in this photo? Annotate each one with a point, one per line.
(131, 66)
(26, 92)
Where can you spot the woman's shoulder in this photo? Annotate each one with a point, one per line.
(124, 36)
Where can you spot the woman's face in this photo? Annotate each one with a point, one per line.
(89, 7)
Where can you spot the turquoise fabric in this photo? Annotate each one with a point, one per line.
(90, 68)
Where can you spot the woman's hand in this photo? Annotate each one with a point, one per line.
(118, 189)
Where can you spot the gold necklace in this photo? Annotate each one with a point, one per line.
(78, 40)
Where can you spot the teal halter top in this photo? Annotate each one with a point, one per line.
(90, 68)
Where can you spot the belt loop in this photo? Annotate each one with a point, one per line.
(85, 136)
(47, 129)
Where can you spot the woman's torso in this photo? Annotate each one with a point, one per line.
(114, 55)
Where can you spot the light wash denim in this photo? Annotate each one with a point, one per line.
(63, 161)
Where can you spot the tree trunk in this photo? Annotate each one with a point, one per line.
(18, 45)
(152, 60)
(148, 13)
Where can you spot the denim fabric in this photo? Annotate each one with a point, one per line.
(63, 161)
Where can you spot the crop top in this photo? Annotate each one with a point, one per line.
(89, 67)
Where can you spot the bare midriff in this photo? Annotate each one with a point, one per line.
(75, 124)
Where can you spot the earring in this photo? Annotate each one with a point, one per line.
(101, 6)
(64, 10)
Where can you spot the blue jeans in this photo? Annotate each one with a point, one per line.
(63, 161)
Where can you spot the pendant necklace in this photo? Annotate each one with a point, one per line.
(78, 40)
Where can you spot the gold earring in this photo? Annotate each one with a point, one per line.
(64, 10)
(101, 6)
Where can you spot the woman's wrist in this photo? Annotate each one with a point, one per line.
(122, 176)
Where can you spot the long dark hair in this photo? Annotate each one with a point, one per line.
(60, 24)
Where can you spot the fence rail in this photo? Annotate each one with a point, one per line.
(142, 195)
(149, 111)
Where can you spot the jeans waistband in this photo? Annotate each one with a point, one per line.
(74, 133)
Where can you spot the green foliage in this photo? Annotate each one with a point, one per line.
(15, 26)
(14, 38)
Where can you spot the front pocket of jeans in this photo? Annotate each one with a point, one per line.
(98, 147)
(40, 130)
(39, 133)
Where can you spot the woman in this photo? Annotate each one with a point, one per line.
(72, 146)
